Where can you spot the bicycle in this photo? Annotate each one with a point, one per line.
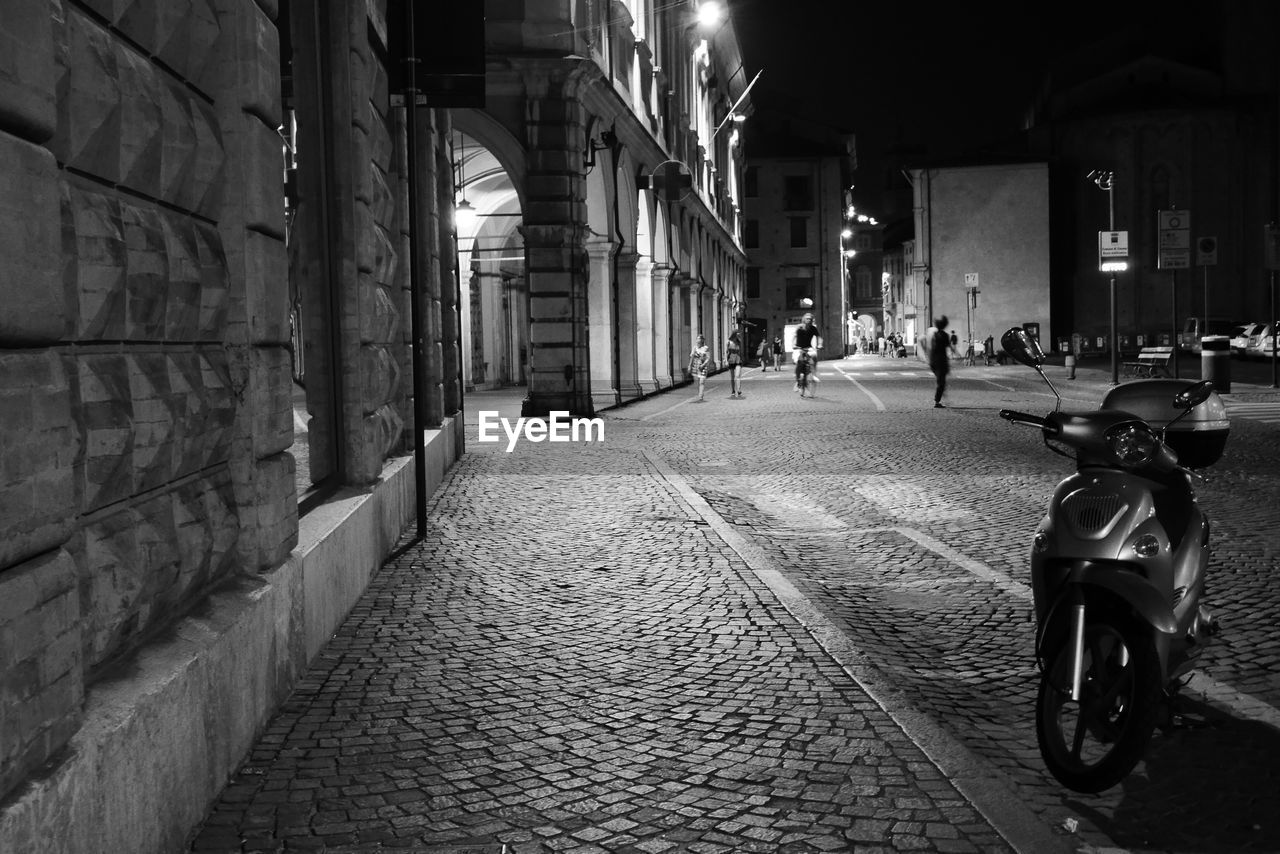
(804, 371)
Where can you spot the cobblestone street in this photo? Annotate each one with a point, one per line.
(758, 624)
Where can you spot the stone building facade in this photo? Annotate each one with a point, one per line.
(230, 266)
(796, 210)
(586, 101)
(159, 590)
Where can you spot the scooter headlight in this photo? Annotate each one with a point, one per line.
(1133, 444)
(1148, 545)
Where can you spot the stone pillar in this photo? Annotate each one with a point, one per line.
(681, 326)
(627, 327)
(649, 347)
(664, 338)
(560, 354)
(559, 368)
(600, 321)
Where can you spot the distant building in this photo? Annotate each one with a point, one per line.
(981, 249)
(794, 207)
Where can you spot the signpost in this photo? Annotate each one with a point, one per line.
(1113, 251)
(1175, 255)
(1271, 249)
(970, 304)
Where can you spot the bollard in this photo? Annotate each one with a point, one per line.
(1215, 361)
(1070, 362)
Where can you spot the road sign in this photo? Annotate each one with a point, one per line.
(1207, 251)
(970, 280)
(1113, 251)
(1113, 244)
(1175, 240)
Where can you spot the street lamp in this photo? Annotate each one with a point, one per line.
(710, 13)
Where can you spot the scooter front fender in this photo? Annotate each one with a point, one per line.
(1124, 583)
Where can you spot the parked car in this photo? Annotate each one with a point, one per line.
(1195, 328)
(1265, 345)
(1245, 336)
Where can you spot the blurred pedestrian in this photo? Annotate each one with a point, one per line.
(699, 362)
(764, 352)
(733, 358)
(989, 350)
(939, 361)
(777, 353)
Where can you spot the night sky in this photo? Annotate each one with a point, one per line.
(937, 77)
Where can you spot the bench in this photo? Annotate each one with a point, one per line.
(1150, 362)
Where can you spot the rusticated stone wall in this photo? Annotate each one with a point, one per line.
(350, 233)
(144, 375)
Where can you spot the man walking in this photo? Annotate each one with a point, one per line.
(939, 360)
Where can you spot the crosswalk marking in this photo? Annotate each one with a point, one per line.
(1267, 413)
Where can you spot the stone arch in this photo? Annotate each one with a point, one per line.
(500, 142)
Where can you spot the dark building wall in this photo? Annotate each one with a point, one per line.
(144, 365)
(155, 604)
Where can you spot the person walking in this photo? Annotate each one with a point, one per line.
(989, 350)
(699, 362)
(939, 360)
(777, 353)
(764, 353)
(733, 358)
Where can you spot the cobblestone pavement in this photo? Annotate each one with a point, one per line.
(756, 624)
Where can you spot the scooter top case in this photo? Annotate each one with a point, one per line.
(1198, 439)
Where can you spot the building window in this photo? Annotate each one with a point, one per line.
(752, 182)
(753, 283)
(797, 193)
(863, 281)
(799, 232)
(799, 292)
(753, 234)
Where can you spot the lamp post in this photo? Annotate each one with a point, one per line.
(1106, 181)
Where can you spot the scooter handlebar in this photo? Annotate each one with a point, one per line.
(1024, 418)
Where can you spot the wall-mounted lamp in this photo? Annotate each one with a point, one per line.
(608, 140)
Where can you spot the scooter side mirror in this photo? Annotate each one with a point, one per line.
(1193, 395)
(1022, 347)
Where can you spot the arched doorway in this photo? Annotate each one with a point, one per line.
(491, 268)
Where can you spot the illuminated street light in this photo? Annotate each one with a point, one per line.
(710, 13)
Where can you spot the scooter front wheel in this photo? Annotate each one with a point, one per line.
(1093, 744)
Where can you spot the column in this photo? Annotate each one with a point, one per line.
(600, 321)
(627, 327)
(560, 353)
(647, 342)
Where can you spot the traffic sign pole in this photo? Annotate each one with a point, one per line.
(1175, 255)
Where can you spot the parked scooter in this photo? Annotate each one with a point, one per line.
(1118, 568)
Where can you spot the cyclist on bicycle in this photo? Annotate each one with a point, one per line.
(806, 340)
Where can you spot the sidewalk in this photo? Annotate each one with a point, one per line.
(576, 659)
